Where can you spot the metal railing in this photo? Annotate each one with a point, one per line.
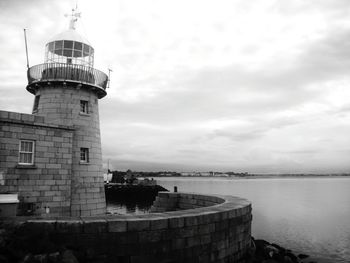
(67, 72)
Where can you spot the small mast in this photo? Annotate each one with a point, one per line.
(74, 17)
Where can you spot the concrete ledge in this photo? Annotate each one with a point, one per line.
(220, 232)
(29, 119)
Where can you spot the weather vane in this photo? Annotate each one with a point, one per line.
(74, 17)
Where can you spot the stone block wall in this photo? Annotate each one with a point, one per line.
(46, 183)
(216, 233)
(60, 105)
(172, 201)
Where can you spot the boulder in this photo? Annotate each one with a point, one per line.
(303, 256)
(292, 257)
(271, 250)
(53, 257)
(68, 257)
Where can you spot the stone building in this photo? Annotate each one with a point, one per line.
(52, 157)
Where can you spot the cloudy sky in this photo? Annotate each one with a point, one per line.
(229, 85)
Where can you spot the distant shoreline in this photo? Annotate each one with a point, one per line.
(257, 176)
(214, 174)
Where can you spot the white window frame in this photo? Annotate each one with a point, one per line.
(86, 106)
(84, 151)
(26, 152)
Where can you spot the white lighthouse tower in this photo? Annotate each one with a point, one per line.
(67, 89)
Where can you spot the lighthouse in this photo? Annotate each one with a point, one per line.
(67, 90)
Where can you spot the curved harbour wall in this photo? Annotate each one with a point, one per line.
(182, 227)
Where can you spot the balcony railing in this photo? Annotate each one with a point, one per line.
(67, 72)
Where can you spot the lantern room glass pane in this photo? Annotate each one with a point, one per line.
(68, 44)
(59, 52)
(59, 44)
(67, 52)
(51, 46)
(86, 50)
(78, 46)
(77, 53)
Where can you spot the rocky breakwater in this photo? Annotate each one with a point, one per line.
(265, 252)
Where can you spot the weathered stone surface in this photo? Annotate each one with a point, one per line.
(198, 235)
(59, 131)
(24, 178)
(116, 225)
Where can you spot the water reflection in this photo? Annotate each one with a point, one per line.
(130, 205)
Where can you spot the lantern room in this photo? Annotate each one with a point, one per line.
(69, 60)
(70, 48)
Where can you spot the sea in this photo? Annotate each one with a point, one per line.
(309, 215)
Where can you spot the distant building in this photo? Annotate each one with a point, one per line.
(52, 157)
(107, 177)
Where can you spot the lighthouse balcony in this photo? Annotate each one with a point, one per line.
(68, 74)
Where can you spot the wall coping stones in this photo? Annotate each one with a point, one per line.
(229, 207)
(29, 119)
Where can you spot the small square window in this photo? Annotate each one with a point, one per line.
(26, 152)
(36, 103)
(84, 155)
(84, 106)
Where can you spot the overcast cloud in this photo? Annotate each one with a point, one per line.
(257, 86)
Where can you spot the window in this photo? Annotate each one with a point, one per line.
(84, 155)
(26, 152)
(68, 44)
(84, 106)
(78, 46)
(36, 103)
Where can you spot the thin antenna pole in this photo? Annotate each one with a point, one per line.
(25, 41)
(109, 76)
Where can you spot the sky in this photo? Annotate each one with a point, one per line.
(259, 86)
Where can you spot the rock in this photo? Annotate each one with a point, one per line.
(302, 256)
(260, 243)
(27, 258)
(281, 249)
(3, 259)
(287, 259)
(53, 257)
(41, 258)
(292, 257)
(269, 261)
(90, 253)
(271, 250)
(68, 257)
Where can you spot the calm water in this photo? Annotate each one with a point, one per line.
(310, 215)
